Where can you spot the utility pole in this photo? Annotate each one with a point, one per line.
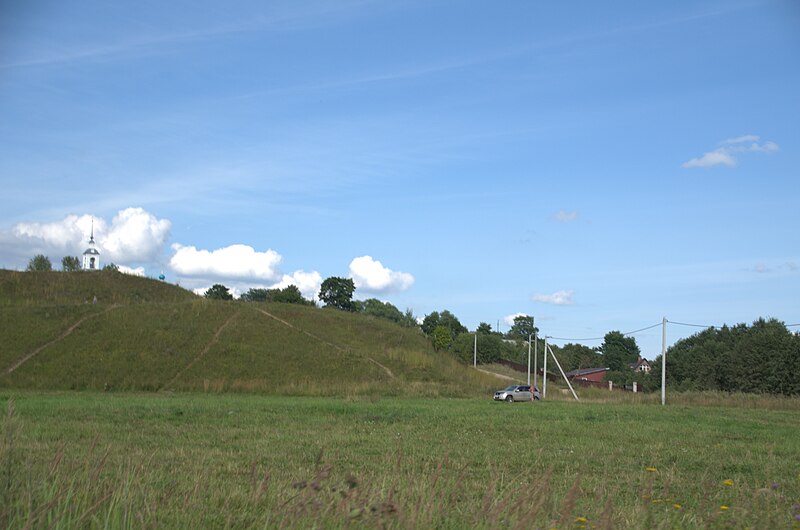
(475, 352)
(544, 376)
(529, 360)
(535, 359)
(664, 361)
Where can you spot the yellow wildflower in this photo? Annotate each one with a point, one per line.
(651, 469)
(723, 507)
(728, 482)
(581, 520)
(677, 506)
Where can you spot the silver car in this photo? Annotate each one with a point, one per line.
(516, 393)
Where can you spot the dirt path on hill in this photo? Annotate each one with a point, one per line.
(320, 339)
(200, 355)
(497, 375)
(28, 356)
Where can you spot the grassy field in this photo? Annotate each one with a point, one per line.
(95, 460)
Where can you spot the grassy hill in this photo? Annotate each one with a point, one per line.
(70, 288)
(143, 334)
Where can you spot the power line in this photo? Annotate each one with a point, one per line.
(690, 325)
(601, 338)
(583, 339)
(643, 329)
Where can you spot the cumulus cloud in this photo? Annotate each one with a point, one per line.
(137, 271)
(134, 235)
(509, 320)
(727, 150)
(557, 298)
(370, 275)
(309, 283)
(565, 217)
(240, 262)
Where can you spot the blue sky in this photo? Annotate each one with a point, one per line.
(596, 167)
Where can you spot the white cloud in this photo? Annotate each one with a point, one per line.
(565, 217)
(309, 283)
(241, 262)
(370, 275)
(509, 320)
(725, 154)
(134, 235)
(138, 271)
(557, 298)
(234, 291)
(717, 157)
(741, 139)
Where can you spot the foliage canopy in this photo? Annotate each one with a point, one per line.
(39, 263)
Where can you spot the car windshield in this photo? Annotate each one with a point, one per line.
(511, 388)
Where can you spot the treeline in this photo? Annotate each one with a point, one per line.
(42, 263)
(762, 358)
(335, 293)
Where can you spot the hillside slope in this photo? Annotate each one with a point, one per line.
(147, 335)
(109, 287)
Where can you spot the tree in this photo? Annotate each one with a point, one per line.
(385, 310)
(577, 356)
(39, 263)
(218, 292)
(619, 351)
(113, 267)
(338, 293)
(288, 295)
(445, 319)
(441, 338)
(522, 328)
(491, 348)
(256, 295)
(484, 329)
(70, 264)
(762, 358)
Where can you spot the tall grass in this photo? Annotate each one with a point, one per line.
(238, 461)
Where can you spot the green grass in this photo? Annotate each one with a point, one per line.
(246, 461)
(146, 335)
(75, 288)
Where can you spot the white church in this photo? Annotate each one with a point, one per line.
(91, 256)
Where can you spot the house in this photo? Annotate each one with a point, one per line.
(641, 365)
(595, 375)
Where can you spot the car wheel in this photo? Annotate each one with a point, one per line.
(510, 399)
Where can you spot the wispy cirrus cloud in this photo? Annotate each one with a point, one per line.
(563, 297)
(726, 152)
(563, 216)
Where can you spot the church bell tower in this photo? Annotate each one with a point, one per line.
(91, 256)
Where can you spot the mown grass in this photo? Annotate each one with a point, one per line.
(245, 461)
